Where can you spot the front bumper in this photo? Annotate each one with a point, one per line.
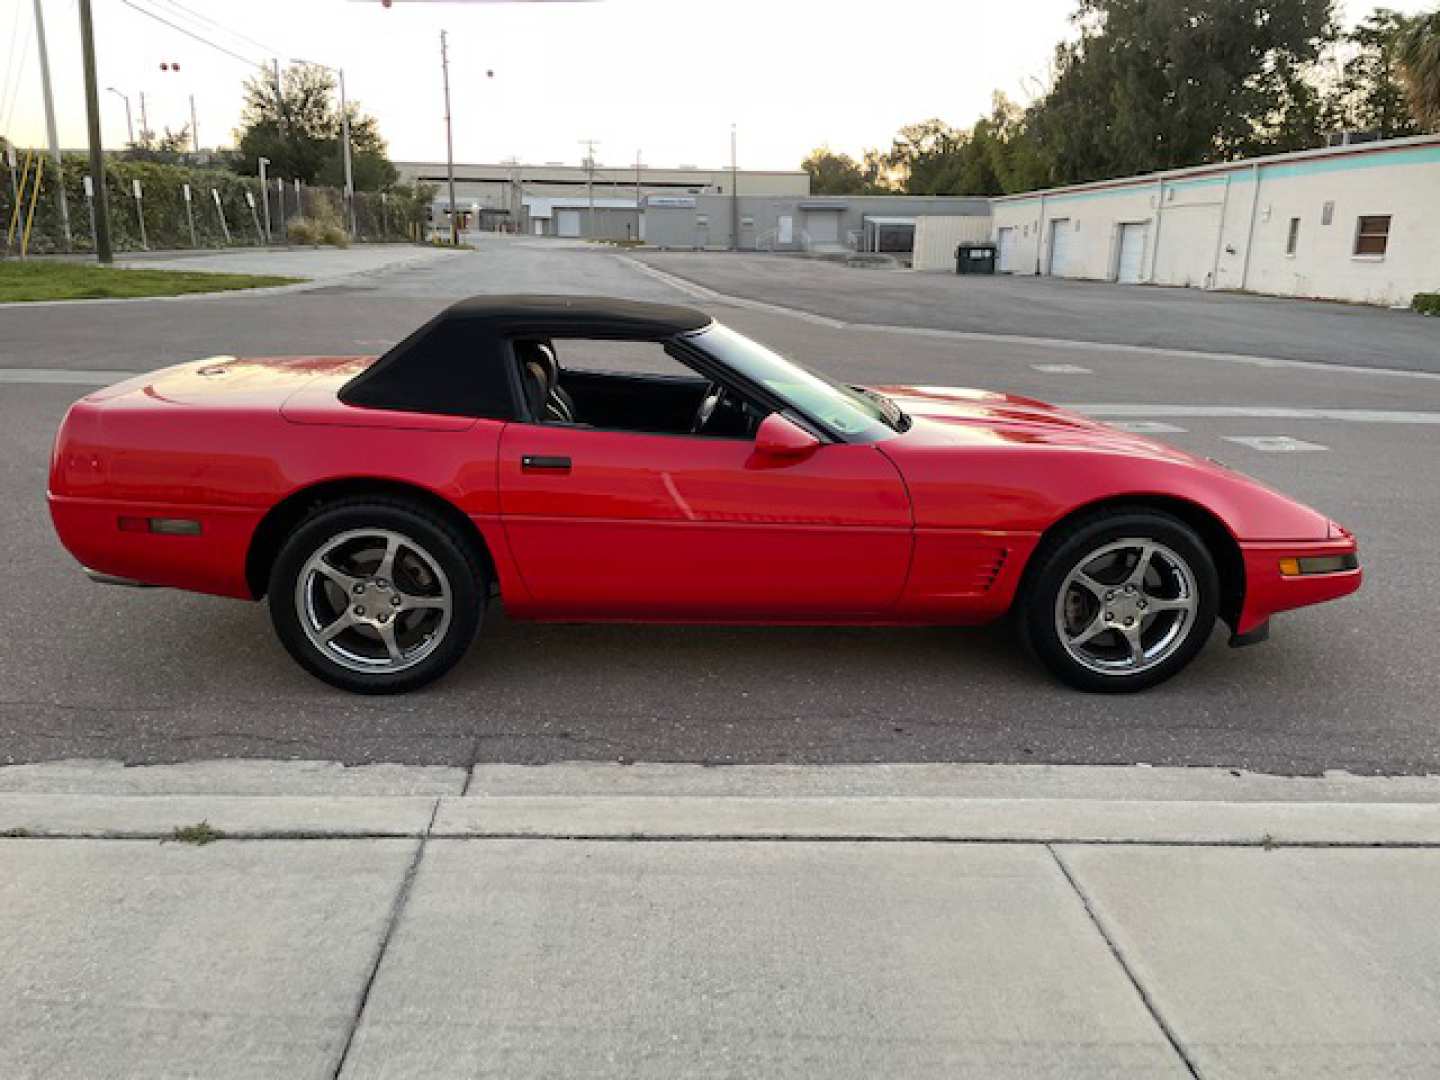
(1272, 585)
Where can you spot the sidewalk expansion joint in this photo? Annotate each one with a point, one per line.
(1170, 1036)
(397, 909)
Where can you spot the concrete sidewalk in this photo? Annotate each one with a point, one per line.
(663, 921)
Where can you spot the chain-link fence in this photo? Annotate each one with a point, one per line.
(222, 208)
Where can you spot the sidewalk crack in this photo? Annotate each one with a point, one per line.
(397, 909)
(1150, 1006)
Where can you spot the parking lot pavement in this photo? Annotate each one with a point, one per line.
(1050, 308)
(907, 921)
(158, 676)
(313, 263)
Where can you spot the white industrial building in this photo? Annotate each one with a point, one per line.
(604, 202)
(1359, 222)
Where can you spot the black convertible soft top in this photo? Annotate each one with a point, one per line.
(459, 362)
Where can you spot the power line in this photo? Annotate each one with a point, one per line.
(219, 25)
(10, 60)
(191, 34)
(14, 93)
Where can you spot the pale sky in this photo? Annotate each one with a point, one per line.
(665, 78)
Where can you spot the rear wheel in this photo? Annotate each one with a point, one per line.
(1121, 600)
(376, 596)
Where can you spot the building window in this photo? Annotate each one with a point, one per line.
(1372, 235)
(1327, 214)
(1293, 239)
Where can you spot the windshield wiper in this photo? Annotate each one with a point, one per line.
(895, 417)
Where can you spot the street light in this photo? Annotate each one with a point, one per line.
(345, 137)
(129, 124)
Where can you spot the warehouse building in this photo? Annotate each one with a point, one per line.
(829, 224)
(557, 199)
(1358, 222)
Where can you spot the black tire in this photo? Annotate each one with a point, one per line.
(1074, 547)
(437, 651)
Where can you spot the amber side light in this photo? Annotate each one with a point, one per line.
(1317, 564)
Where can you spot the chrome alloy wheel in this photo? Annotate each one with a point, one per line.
(1126, 607)
(373, 600)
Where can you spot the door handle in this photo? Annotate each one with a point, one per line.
(542, 463)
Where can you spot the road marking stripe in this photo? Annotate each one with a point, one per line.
(1274, 444)
(63, 376)
(1256, 412)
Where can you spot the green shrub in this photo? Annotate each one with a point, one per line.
(331, 233)
(303, 231)
(1427, 303)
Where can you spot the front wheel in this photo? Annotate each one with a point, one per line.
(376, 596)
(1120, 601)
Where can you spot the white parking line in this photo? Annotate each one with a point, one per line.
(1106, 410)
(1274, 444)
(1061, 369)
(63, 376)
(1149, 427)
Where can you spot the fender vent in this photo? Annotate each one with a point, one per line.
(989, 569)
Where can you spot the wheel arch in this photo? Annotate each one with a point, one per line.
(289, 512)
(1218, 538)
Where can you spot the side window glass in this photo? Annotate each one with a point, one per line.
(626, 386)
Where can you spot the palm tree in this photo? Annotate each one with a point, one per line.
(1418, 53)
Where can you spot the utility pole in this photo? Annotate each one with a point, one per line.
(449, 140)
(590, 145)
(194, 127)
(50, 123)
(734, 195)
(92, 116)
(145, 131)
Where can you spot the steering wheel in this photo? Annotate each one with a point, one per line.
(713, 395)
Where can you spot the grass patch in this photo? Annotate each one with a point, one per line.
(199, 835)
(85, 281)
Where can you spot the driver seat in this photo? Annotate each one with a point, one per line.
(540, 375)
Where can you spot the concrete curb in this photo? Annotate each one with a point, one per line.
(944, 803)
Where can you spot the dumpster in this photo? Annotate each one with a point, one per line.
(975, 259)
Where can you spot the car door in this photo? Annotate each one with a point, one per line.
(621, 524)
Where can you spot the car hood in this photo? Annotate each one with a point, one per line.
(957, 416)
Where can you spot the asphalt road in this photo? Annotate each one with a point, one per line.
(1044, 307)
(157, 676)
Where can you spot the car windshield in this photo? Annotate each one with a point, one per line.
(846, 411)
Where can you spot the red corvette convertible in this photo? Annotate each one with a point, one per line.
(380, 503)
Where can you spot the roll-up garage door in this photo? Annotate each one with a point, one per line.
(567, 222)
(1064, 249)
(1131, 268)
(823, 226)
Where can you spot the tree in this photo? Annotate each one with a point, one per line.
(840, 174)
(1417, 51)
(1159, 84)
(297, 127)
(1370, 95)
